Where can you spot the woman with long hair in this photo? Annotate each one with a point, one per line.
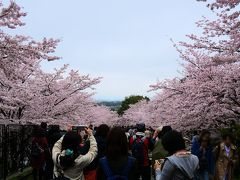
(117, 163)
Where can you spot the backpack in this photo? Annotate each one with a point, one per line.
(36, 150)
(138, 150)
(110, 175)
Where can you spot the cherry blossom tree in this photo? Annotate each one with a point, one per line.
(200, 101)
(27, 94)
(98, 115)
(208, 94)
(213, 66)
(138, 113)
(59, 97)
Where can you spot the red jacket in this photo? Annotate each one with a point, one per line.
(39, 162)
(146, 144)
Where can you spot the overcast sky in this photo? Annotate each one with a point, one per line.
(125, 41)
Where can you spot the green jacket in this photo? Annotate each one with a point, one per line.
(158, 152)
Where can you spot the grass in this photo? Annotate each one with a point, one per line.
(23, 175)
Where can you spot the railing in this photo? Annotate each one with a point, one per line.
(15, 143)
(2, 154)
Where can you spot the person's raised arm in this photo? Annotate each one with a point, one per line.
(56, 151)
(85, 160)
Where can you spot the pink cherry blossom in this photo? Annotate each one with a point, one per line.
(207, 95)
(29, 95)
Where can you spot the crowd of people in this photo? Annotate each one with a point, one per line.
(104, 153)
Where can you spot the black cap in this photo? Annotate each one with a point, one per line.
(141, 127)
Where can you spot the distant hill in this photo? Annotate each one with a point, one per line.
(114, 105)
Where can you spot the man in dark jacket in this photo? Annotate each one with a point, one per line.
(100, 136)
(53, 135)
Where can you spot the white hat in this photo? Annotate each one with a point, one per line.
(159, 129)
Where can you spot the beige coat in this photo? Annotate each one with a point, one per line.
(222, 164)
(75, 172)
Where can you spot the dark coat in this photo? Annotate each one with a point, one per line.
(195, 149)
(40, 161)
(102, 144)
(53, 137)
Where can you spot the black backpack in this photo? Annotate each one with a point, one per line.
(138, 150)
